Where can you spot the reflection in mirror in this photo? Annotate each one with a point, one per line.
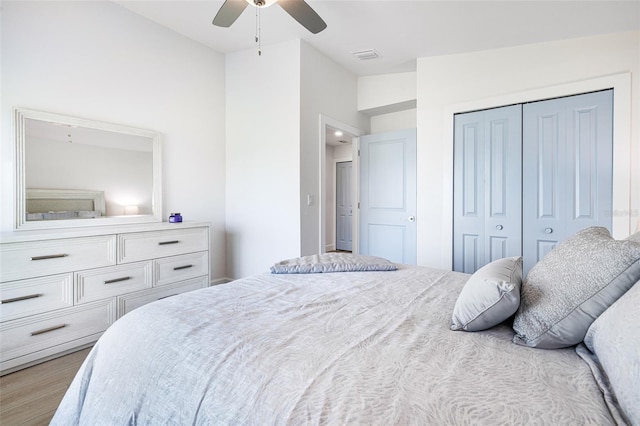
(76, 172)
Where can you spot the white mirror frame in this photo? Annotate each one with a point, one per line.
(21, 223)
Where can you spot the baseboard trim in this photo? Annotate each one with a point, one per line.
(218, 281)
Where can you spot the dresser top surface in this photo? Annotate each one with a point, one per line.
(39, 235)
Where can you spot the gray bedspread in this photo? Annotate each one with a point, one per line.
(369, 348)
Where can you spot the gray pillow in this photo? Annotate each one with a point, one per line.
(614, 338)
(491, 295)
(572, 285)
(332, 262)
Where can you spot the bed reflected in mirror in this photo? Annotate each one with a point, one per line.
(77, 172)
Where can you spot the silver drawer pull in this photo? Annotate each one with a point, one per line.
(164, 243)
(46, 330)
(17, 299)
(166, 297)
(117, 280)
(49, 256)
(177, 268)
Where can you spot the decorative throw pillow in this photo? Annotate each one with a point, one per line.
(634, 237)
(614, 338)
(572, 285)
(491, 295)
(332, 262)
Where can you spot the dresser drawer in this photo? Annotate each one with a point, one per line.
(149, 245)
(177, 268)
(28, 335)
(96, 284)
(35, 296)
(129, 302)
(39, 258)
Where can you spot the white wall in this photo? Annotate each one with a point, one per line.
(390, 101)
(377, 92)
(394, 121)
(327, 89)
(456, 83)
(262, 158)
(99, 61)
(273, 153)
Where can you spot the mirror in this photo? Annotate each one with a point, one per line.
(77, 172)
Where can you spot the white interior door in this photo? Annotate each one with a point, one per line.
(388, 196)
(344, 206)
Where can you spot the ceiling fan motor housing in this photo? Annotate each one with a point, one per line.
(261, 3)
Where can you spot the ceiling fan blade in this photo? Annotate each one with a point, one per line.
(229, 12)
(304, 14)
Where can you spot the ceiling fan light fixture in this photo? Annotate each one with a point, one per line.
(261, 3)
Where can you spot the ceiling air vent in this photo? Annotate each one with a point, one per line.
(366, 54)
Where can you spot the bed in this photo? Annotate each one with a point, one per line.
(358, 347)
(60, 204)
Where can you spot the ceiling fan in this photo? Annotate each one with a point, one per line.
(298, 9)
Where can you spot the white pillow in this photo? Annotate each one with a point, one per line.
(491, 296)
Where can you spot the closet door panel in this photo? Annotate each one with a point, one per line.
(469, 216)
(487, 187)
(471, 253)
(545, 183)
(568, 163)
(498, 248)
(590, 160)
(503, 190)
(544, 177)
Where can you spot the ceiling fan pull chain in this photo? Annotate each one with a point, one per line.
(258, 35)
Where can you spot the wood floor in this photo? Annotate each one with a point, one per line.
(31, 396)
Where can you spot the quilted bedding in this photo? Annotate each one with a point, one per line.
(339, 348)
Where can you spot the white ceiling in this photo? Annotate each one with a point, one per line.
(400, 30)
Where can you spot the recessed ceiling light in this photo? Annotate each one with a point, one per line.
(338, 133)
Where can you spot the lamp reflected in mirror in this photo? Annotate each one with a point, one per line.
(131, 210)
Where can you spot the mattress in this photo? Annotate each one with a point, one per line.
(330, 348)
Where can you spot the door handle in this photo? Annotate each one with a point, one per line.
(411, 218)
(499, 227)
(548, 230)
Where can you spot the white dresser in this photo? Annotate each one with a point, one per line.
(60, 290)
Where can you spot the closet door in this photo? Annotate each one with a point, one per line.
(487, 187)
(567, 169)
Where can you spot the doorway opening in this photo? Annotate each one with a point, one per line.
(338, 146)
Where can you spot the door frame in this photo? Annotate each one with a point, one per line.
(621, 85)
(325, 121)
